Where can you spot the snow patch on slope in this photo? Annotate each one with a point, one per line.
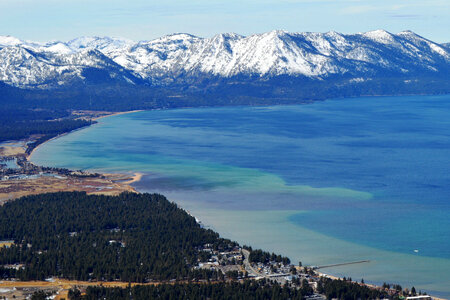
(180, 56)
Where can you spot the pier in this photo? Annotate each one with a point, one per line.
(342, 264)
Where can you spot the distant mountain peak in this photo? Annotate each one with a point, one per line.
(58, 47)
(380, 36)
(7, 40)
(277, 32)
(228, 35)
(175, 37)
(98, 42)
(183, 57)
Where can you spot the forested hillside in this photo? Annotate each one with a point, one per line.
(263, 289)
(134, 238)
(131, 237)
(18, 123)
(231, 290)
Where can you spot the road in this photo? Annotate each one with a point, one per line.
(248, 267)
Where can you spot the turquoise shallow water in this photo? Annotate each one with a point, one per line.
(329, 182)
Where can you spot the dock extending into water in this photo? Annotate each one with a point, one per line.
(342, 264)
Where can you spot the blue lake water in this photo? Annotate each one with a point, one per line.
(328, 182)
(11, 164)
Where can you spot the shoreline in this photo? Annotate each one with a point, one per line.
(117, 114)
(28, 156)
(107, 184)
(369, 285)
(137, 176)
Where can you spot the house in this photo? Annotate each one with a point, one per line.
(6, 244)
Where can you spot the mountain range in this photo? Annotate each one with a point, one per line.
(275, 64)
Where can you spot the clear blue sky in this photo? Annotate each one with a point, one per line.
(44, 20)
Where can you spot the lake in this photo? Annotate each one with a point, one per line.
(329, 182)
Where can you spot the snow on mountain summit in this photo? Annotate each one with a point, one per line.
(7, 40)
(58, 47)
(181, 55)
(380, 36)
(100, 43)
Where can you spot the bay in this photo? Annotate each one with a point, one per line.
(328, 182)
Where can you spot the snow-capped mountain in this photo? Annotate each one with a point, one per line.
(183, 58)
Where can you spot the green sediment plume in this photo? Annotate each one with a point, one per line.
(219, 176)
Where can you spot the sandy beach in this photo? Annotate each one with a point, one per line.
(135, 178)
(116, 114)
(90, 116)
(117, 180)
(106, 184)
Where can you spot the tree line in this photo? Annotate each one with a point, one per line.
(16, 124)
(346, 289)
(260, 256)
(130, 237)
(135, 238)
(224, 290)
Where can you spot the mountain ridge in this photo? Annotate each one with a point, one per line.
(183, 57)
(183, 70)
